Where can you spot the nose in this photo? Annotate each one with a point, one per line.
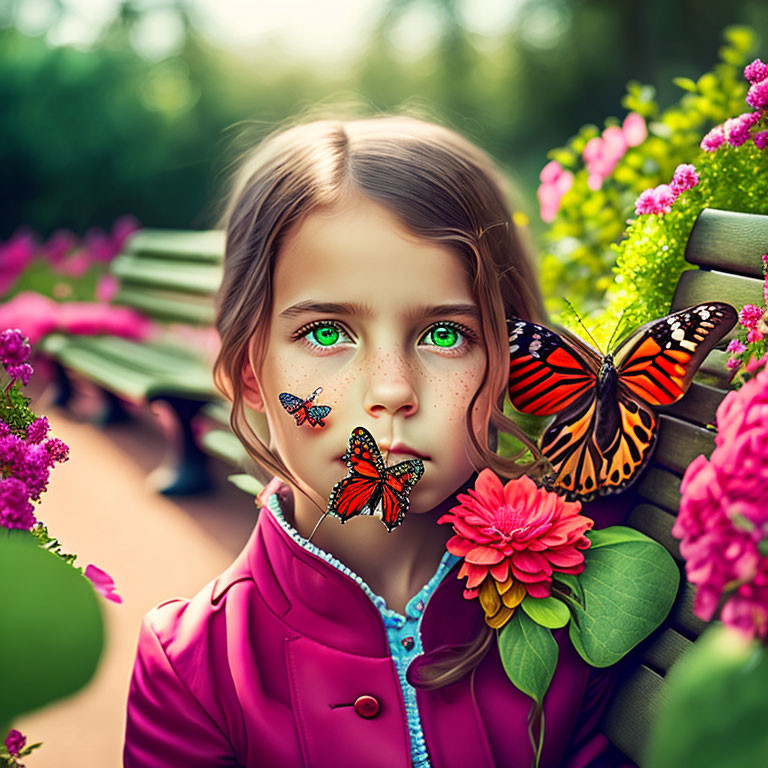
(391, 386)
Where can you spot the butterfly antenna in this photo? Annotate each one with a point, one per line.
(317, 525)
(616, 329)
(582, 325)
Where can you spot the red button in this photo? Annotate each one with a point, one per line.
(367, 706)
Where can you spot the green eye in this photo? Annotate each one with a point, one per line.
(325, 335)
(444, 335)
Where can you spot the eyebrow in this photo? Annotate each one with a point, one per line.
(355, 308)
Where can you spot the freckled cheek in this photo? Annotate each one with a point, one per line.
(452, 392)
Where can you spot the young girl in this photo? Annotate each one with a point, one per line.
(375, 258)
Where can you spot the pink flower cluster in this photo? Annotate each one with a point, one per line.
(37, 315)
(63, 252)
(25, 459)
(723, 520)
(755, 320)
(600, 155)
(738, 130)
(659, 199)
(14, 350)
(14, 742)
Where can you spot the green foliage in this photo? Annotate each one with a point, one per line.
(713, 711)
(580, 245)
(547, 611)
(40, 532)
(54, 626)
(14, 406)
(529, 655)
(629, 583)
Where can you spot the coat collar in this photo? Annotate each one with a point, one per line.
(319, 601)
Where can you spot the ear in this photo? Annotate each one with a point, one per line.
(251, 390)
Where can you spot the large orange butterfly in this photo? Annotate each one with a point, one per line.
(371, 482)
(604, 430)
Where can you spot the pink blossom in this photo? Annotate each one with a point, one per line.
(122, 229)
(756, 71)
(761, 139)
(634, 128)
(60, 243)
(723, 516)
(713, 139)
(107, 287)
(15, 255)
(735, 346)
(103, 583)
(555, 182)
(750, 315)
(754, 336)
(14, 742)
(757, 95)
(733, 363)
(656, 200)
(736, 129)
(755, 363)
(685, 177)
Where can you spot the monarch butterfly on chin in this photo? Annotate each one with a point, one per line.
(371, 482)
(604, 429)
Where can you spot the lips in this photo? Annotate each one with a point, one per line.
(400, 450)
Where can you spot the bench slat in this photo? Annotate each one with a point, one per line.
(164, 273)
(700, 285)
(205, 246)
(726, 240)
(164, 305)
(627, 722)
(663, 652)
(657, 523)
(682, 617)
(660, 487)
(699, 404)
(680, 442)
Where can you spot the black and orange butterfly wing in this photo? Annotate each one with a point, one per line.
(557, 374)
(547, 374)
(360, 491)
(657, 362)
(654, 367)
(396, 490)
(296, 406)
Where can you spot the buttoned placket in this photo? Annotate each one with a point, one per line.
(403, 631)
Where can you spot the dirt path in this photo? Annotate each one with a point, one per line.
(99, 505)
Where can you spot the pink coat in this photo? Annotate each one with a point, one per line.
(262, 669)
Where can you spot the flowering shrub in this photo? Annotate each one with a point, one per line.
(48, 588)
(580, 246)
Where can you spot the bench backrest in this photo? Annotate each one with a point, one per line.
(727, 248)
(172, 276)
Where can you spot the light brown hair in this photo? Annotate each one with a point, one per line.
(441, 187)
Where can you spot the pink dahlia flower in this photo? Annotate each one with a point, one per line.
(723, 520)
(14, 742)
(513, 537)
(756, 71)
(714, 139)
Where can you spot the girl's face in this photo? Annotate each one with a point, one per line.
(386, 324)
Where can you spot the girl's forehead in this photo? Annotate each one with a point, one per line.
(362, 254)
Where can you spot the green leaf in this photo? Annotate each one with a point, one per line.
(685, 83)
(630, 582)
(572, 582)
(57, 626)
(247, 483)
(529, 655)
(713, 711)
(614, 534)
(547, 611)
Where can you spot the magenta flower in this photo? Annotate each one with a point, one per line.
(684, 178)
(736, 129)
(656, 200)
(723, 519)
(757, 96)
(714, 139)
(754, 336)
(756, 71)
(513, 537)
(14, 742)
(732, 363)
(735, 346)
(761, 139)
(103, 583)
(750, 315)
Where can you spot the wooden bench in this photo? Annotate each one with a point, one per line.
(171, 276)
(727, 248)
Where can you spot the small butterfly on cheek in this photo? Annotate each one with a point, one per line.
(302, 409)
